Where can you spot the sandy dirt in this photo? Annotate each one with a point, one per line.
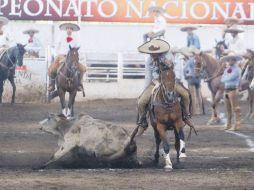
(216, 159)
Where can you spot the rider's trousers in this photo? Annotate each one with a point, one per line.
(233, 108)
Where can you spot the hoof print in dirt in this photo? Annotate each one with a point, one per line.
(88, 142)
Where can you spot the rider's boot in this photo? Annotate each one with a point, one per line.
(143, 124)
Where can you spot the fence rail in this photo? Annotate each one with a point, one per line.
(115, 67)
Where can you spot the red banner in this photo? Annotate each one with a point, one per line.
(177, 11)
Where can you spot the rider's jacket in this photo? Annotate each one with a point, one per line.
(33, 44)
(155, 64)
(193, 41)
(231, 77)
(160, 24)
(237, 45)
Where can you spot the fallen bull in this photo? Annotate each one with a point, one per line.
(90, 142)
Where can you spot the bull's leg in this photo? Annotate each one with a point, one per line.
(11, 79)
(62, 100)
(1, 90)
(163, 135)
(157, 141)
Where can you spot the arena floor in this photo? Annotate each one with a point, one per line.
(216, 159)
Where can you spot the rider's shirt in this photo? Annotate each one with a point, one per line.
(159, 62)
(236, 45)
(62, 47)
(231, 76)
(193, 41)
(179, 67)
(160, 24)
(33, 44)
(5, 40)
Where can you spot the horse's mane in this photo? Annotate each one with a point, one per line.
(209, 58)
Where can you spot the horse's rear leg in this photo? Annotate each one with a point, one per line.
(177, 144)
(182, 144)
(157, 141)
(13, 90)
(163, 135)
(1, 90)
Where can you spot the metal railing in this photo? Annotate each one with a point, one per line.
(114, 67)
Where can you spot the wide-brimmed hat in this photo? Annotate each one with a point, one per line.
(156, 9)
(234, 29)
(249, 54)
(230, 57)
(31, 30)
(233, 20)
(175, 49)
(155, 46)
(186, 52)
(3, 20)
(194, 50)
(186, 28)
(75, 27)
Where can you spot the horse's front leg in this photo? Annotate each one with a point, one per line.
(1, 90)
(11, 79)
(157, 141)
(215, 100)
(251, 99)
(70, 111)
(163, 135)
(62, 100)
(182, 144)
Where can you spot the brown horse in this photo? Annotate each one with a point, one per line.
(166, 114)
(208, 67)
(67, 80)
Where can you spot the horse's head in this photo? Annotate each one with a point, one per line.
(18, 53)
(219, 48)
(73, 56)
(167, 80)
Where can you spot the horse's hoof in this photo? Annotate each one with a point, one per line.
(182, 155)
(168, 168)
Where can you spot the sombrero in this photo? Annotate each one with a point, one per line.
(230, 57)
(156, 9)
(155, 46)
(233, 29)
(3, 20)
(232, 20)
(75, 27)
(31, 30)
(186, 52)
(194, 50)
(186, 28)
(175, 49)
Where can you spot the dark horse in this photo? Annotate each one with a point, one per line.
(11, 58)
(67, 80)
(219, 48)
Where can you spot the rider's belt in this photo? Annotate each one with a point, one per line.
(230, 88)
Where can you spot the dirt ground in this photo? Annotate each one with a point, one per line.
(216, 159)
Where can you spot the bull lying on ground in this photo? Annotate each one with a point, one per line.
(90, 142)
